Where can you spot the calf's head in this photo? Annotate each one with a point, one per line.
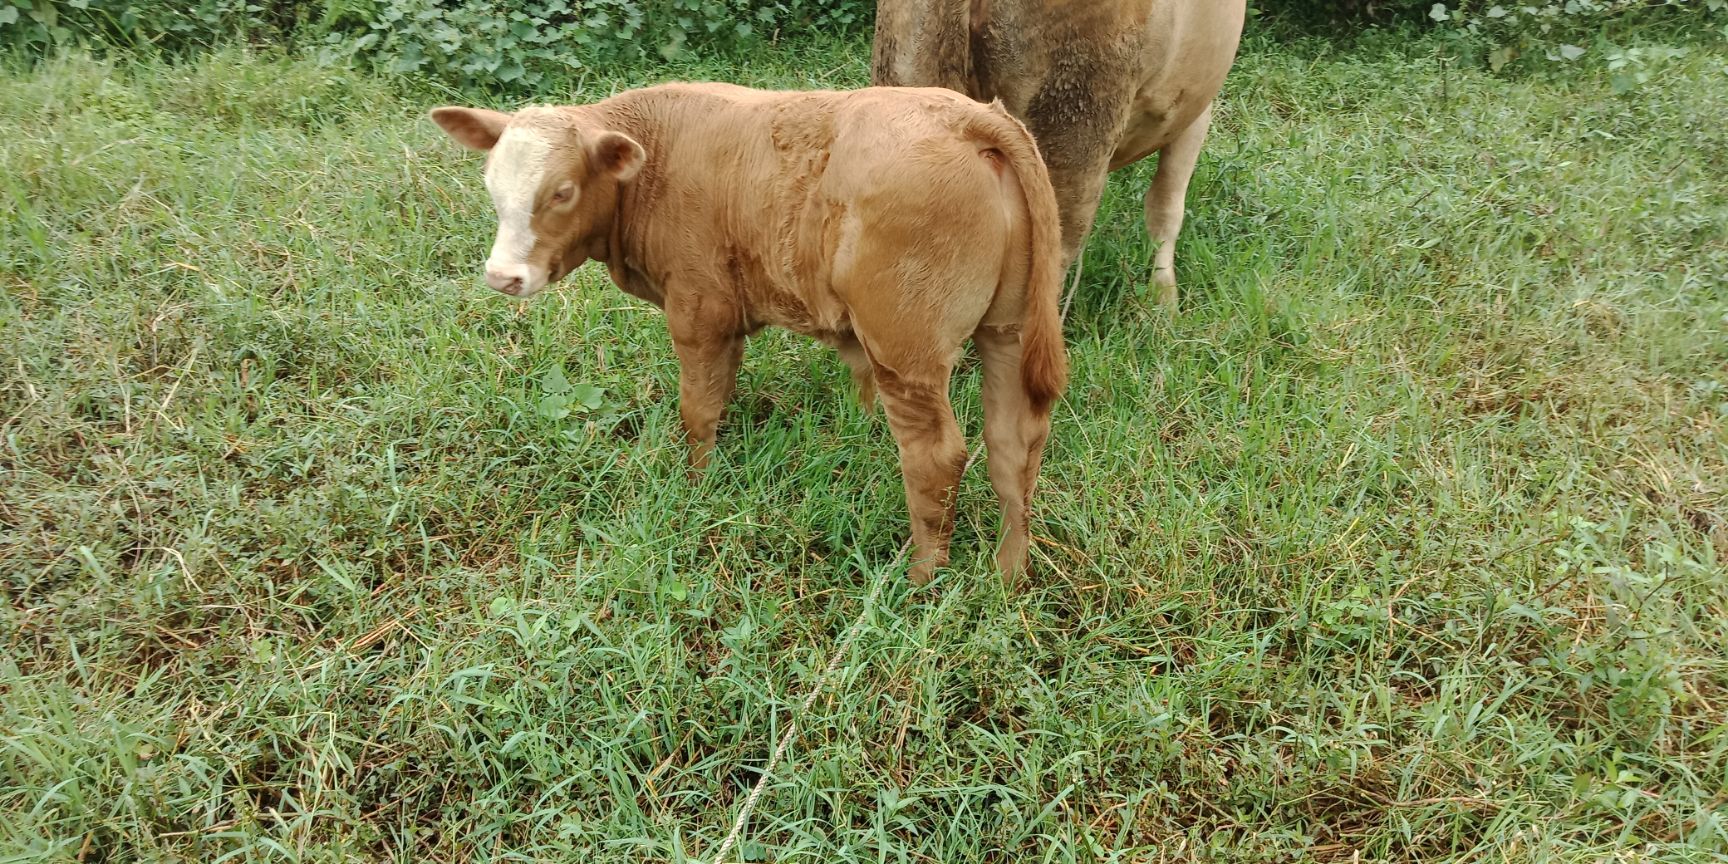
(554, 184)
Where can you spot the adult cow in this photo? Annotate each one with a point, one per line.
(893, 224)
(1101, 83)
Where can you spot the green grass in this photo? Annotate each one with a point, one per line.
(1403, 541)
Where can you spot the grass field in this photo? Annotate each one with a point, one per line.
(1404, 540)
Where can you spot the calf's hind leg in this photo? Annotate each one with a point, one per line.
(932, 455)
(1015, 433)
(1167, 200)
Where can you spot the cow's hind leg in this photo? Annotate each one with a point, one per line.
(1167, 199)
(1015, 433)
(1080, 186)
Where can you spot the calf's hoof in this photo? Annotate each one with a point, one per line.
(1011, 563)
(698, 465)
(1164, 289)
(923, 571)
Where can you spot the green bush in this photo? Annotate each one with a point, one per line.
(1548, 30)
(458, 41)
(493, 42)
(1338, 9)
(474, 41)
(162, 24)
(1529, 33)
(1550, 11)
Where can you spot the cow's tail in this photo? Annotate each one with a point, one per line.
(1043, 356)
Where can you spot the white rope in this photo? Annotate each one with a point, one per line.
(1073, 285)
(840, 650)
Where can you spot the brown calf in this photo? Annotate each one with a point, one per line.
(890, 223)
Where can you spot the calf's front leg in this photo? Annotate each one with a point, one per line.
(707, 373)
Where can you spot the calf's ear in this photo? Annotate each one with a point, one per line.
(474, 128)
(619, 155)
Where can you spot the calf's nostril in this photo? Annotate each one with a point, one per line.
(504, 282)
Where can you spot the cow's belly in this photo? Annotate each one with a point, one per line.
(1188, 51)
(1154, 120)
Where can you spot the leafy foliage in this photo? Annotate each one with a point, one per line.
(1548, 30)
(161, 24)
(484, 41)
(459, 41)
(1546, 34)
(1387, 10)
(497, 43)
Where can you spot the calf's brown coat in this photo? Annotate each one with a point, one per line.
(890, 223)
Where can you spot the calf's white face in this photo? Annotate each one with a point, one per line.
(514, 175)
(553, 184)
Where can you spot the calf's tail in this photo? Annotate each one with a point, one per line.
(1043, 356)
